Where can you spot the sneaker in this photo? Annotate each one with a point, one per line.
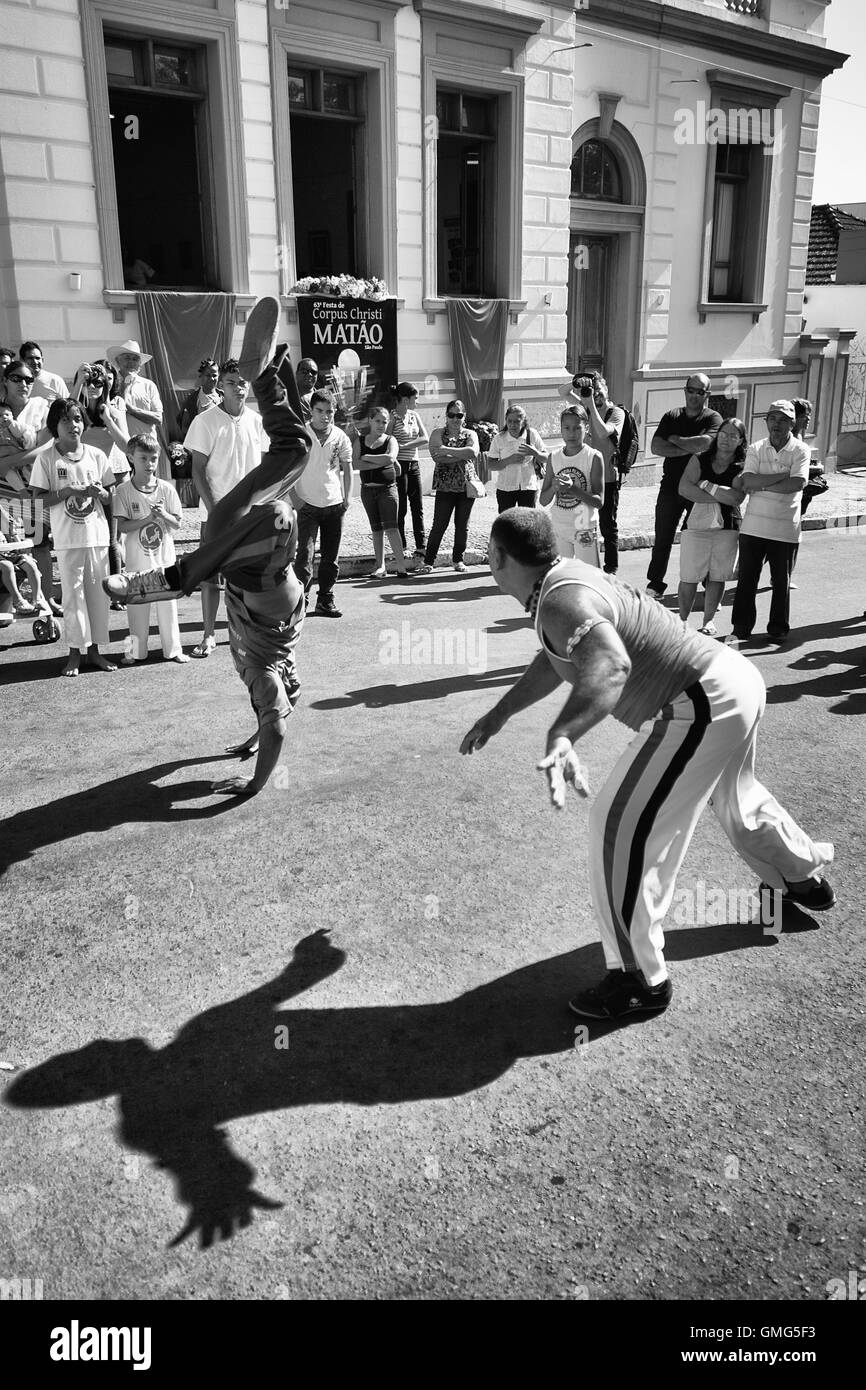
(424, 569)
(460, 567)
(654, 593)
(818, 897)
(260, 337)
(326, 608)
(140, 588)
(776, 639)
(621, 994)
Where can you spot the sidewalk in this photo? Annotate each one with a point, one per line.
(844, 504)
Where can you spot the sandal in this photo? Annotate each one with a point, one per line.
(204, 647)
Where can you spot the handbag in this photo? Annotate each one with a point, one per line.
(475, 488)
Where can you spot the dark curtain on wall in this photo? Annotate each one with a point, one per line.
(478, 329)
(179, 330)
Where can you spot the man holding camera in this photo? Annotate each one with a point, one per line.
(606, 420)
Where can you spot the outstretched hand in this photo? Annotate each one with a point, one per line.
(481, 732)
(562, 765)
(234, 786)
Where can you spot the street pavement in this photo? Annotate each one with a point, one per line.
(209, 1097)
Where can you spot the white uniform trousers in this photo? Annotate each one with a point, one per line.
(85, 604)
(138, 616)
(700, 749)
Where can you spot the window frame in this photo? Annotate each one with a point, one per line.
(472, 30)
(222, 167)
(293, 43)
(725, 95)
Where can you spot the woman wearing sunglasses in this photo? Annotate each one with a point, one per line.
(454, 450)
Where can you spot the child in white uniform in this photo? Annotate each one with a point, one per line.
(73, 479)
(147, 511)
(574, 487)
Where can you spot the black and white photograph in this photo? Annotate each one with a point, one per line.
(432, 670)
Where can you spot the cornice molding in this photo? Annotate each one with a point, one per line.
(471, 12)
(725, 36)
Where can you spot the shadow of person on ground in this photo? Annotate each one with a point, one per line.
(249, 1057)
(374, 696)
(134, 797)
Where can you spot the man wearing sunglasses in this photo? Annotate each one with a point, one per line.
(681, 433)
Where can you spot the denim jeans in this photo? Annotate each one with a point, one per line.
(446, 503)
(780, 555)
(670, 510)
(409, 493)
(607, 524)
(523, 497)
(327, 524)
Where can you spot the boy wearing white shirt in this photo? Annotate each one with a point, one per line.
(226, 442)
(148, 511)
(73, 480)
(574, 484)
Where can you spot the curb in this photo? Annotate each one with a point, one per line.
(355, 566)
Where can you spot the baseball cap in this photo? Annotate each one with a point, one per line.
(783, 408)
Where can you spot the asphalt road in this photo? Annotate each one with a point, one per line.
(402, 1109)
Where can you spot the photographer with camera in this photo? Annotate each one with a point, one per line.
(606, 420)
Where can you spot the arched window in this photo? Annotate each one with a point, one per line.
(595, 173)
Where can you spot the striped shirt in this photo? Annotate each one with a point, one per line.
(407, 432)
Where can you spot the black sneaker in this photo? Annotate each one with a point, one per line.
(620, 994)
(818, 897)
(326, 608)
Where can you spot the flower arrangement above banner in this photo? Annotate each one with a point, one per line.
(346, 286)
(353, 341)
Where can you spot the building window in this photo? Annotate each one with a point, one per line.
(465, 192)
(595, 173)
(740, 162)
(329, 177)
(733, 267)
(157, 100)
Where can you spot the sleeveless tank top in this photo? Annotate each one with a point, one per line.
(730, 515)
(666, 655)
(379, 477)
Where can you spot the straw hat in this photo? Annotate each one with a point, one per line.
(130, 345)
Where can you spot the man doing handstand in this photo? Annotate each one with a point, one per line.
(252, 538)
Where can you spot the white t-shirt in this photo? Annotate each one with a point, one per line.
(321, 483)
(568, 515)
(232, 444)
(49, 387)
(520, 475)
(78, 522)
(152, 545)
(775, 516)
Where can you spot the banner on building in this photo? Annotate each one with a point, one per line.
(354, 343)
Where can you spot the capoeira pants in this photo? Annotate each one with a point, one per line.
(700, 749)
(138, 617)
(85, 604)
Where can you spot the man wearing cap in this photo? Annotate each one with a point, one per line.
(774, 475)
(143, 404)
(680, 433)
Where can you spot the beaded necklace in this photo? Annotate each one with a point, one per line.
(531, 605)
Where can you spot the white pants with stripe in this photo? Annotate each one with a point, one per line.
(85, 604)
(138, 617)
(700, 750)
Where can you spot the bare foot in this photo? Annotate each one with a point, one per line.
(246, 749)
(72, 665)
(98, 660)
